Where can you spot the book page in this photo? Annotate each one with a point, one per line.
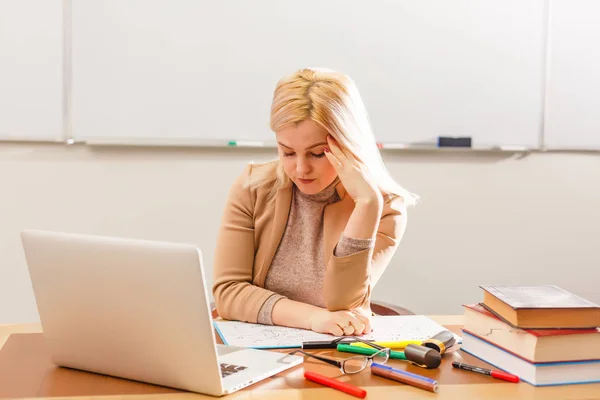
(385, 328)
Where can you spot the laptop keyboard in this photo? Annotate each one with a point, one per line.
(228, 369)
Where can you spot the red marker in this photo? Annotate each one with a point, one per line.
(335, 384)
(496, 374)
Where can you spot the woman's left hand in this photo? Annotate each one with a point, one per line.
(352, 174)
(365, 314)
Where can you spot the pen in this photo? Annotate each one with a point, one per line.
(335, 384)
(496, 374)
(408, 378)
(398, 344)
(327, 344)
(346, 348)
(320, 344)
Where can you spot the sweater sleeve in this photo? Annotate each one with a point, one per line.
(348, 246)
(361, 270)
(266, 311)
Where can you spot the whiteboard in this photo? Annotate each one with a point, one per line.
(573, 105)
(174, 71)
(31, 70)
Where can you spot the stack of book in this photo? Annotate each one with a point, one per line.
(543, 334)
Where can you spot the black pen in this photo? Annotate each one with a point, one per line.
(328, 344)
(494, 373)
(320, 344)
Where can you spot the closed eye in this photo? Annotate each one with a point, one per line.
(312, 154)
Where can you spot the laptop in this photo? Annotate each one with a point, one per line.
(137, 310)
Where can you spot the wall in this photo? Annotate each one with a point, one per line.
(485, 218)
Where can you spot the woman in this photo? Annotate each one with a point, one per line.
(306, 237)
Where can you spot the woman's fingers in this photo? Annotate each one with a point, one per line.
(336, 330)
(351, 325)
(333, 160)
(335, 149)
(344, 156)
(358, 324)
(348, 330)
(366, 322)
(345, 325)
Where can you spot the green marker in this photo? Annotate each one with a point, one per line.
(245, 143)
(346, 348)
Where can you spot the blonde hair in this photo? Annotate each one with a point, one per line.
(331, 100)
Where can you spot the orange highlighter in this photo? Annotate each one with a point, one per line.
(335, 384)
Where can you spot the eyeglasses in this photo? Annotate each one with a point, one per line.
(355, 364)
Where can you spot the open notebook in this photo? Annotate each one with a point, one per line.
(385, 328)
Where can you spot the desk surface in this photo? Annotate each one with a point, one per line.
(291, 385)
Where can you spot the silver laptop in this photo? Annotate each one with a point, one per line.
(138, 310)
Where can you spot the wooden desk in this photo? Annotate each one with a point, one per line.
(454, 384)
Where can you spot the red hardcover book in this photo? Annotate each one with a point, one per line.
(534, 345)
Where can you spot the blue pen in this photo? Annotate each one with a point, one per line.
(408, 378)
(405, 372)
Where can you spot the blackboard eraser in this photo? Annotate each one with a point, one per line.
(453, 141)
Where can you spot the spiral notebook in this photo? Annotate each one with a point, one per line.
(385, 328)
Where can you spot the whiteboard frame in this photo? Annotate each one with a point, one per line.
(221, 144)
(67, 71)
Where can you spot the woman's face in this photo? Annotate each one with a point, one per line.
(301, 151)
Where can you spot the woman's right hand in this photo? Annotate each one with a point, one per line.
(340, 323)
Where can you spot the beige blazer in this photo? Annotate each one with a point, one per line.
(252, 228)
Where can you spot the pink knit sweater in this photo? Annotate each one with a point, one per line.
(298, 266)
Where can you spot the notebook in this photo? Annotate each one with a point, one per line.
(385, 328)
